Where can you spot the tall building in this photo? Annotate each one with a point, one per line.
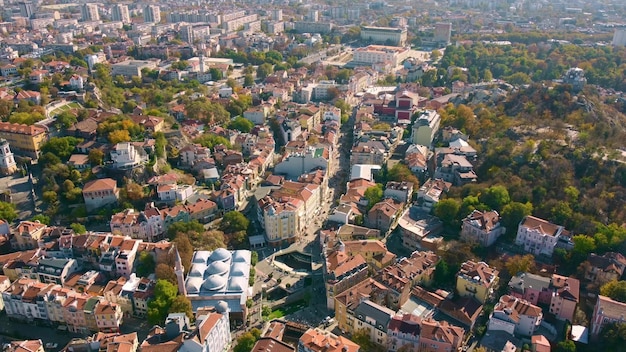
(277, 15)
(619, 37)
(186, 34)
(27, 9)
(119, 12)
(443, 31)
(152, 14)
(7, 162)
(90, 12)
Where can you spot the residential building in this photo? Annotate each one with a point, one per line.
(429, 194)
(607, 311)
(374, 252)
(99, 193)
(125, 260)
(515, 316)
(372, 54)
(120, 13)
(24, 345)
(90, 12)
(142, 295)
(212, 332)
(56, 271)
(401, 277)
(477, 280)
(219, 278)
(341, 272)
(384, 35)
(400, 191)
(482, 228)
(174, 193)
(601, 269)
(437, 336)
(302, 162)
(5, 283)
(203, 210)
(559, 293)
(403, 333)
(271, 344)
(384, 214)
(281, 219)
(108, 316)
(456, 169)
(374, 320)
(370, 153)
(347, 302)
(27, 235)
(25, 140)
(125, 156)
(317, 340)
(8, 166)
(443, 32)
(540, 237)
(420, 230)
(425, 128)
(152, 14)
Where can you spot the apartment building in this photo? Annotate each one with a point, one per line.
(404, 333)
(317, 340)
(541, 237)
(384, 35)
(342, 271)
(27, 235)
(437, 336)
(131, 68)
(561, 294)
(24, 140)
(477, 280)
(425, 128)
(126, 156)
(515, 316)
(374, 320)
(482, 228)
(606, 311)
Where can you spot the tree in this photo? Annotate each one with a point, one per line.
(182, 304)
(520, 264)
(615, 290)
(583, 245)
(234, 221)
(184, 228)
(254, 258)
(216, 74)
(61, 147)
(246, 341)
(50, 197)
(447, 211)
(442, 275)
(7, 211)
(146, 264)
(400, 172)
(96, 157)
(164, 294)
(210, 140)
(496, 197)
(78, 228)
(373, 194)
(613, 337)
(248, 80)
(119, 136)
(165, 272)
(185, 249)
(241, 124)
(134, 191)
(264, 70)
(44, 219)
(513, 213)
(435, 54)
(566, 346)
(66, 119)
(487, 75)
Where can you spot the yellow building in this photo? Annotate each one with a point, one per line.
(24, 139)
(374, 252)
(476, 280)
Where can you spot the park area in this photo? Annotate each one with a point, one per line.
(66, 107)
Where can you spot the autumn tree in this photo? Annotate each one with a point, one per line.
(615, 290)
(119, 136)
(165, 272)
(234, 221)
(520, 264)
(246, 342)
(182, 304)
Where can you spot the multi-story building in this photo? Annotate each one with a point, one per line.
(125, 156)
(384, 214)
(56, 271)
(313, 27)
(125, 260)
(27, 234)
(540, 237)
(425, 128)
(604, 268)
(120, 13)
(515, 316)
(99, 193)
(476, 280)
(607, 311)
(152, 14)
(281, 219)
(131, 68)
(108, 316)
(374, 320)
(437, 336)
(373, 54)
(442, 33)
(341, 272)
(403, 333)
(203, 210)
(482, 228)
(400, 191)
(25, 140)
(347, 302)
(302, 162)
(89, 12)
(559, 293)
(316, 340)
(420, 230)
(429, 194)
(384, 35)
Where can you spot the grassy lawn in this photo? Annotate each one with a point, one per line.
(287, 309)
(67, 107)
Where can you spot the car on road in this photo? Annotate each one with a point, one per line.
(51, 345)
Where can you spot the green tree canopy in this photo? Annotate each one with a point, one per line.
(234, 221)
(182, 304)
(241, 124)
(246, 341)
(615, 290)
(164, 294)
(184, 227)
(447, 211)
(520, 264)
(373, 194)
(62, 147)
(496, 197)
(146, 264)
(210, 140)
(7, 211)
(78, 228)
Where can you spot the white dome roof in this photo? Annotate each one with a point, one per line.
(222, 307)
(241, 256)
(220, 254)
(197, 270)
(217, 268)
(237, 284)
(200, 257)
(214, 283)
(240, 269)
(193, 285)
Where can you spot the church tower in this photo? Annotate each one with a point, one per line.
(7, 161)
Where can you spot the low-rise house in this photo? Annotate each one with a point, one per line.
(400, 191)
(79, 161)
(606, 311)
(437, 336)
(316, 340)
(430, 193)
(99, 193)
(174, 193)
(142, 295)
(456, 169)
(27, 235)
(24, 346)
(482, 227)
(515, 316)
(601, 269)
(125, 156)
(203, 210)
(384, 214)
(541, 237)
(76, 82)
(150, 123)
(477, 280)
